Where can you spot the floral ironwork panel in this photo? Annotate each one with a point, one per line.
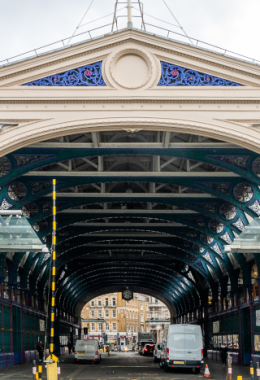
(173, 75)
(216, 226)
(238, 161)
(5, 166)
(255, 207)
(27, 159)
(89, 75)
(243, 192)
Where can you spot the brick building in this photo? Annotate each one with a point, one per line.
(120, 320)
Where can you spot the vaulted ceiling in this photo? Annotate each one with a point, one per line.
(148, 209)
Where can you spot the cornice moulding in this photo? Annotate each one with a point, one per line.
(108, 42)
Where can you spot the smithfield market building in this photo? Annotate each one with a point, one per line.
(155, 146)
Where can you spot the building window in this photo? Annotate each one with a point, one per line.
(106, 302)
(114, 302)
(107, 327)
(114, 326)
(142, 317)
(99, 302)
(141, 306)
(156, 300)
(114, 313)
(93, 303)
(100, 327)
(136, 315)
(107, 313)
(92, 326)
(133, 327)
(126, 313)
(92, 313)
(146, 307)
(99, 314)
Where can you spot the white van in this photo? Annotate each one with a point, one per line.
(87, 350)
(182, 347)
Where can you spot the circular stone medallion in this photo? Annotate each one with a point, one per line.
(131, 70)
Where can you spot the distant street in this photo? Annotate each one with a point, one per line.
(128, 366)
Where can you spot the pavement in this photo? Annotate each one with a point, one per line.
(122, 366)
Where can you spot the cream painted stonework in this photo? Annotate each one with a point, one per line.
(131, 100)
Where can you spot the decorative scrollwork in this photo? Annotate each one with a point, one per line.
(201, 266)
(226, 237)
(190, 275)
(256, 166)
(16, 191)
(206, 239)
(26, 159)
(238, 161)
(255, 207)
(89, 75)
(5, 205)
(39, 186)
(222, 268)
(45, 258)
(243, 192)
(228, 211)
(216, 226)
(191, 258)
(173, 75)
(30, 210)
(216, 249)
(208, 257)
(197, 248)
(41, 226)
(5, 166)
(239, 224)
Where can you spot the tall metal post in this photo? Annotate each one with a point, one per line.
(52, 360)
(129, 14)
(53, 275)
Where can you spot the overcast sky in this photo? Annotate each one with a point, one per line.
(29, 24)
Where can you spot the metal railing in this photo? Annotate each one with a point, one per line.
(169, 33)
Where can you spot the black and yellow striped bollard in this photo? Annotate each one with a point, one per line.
(40, 372)
(252, 371)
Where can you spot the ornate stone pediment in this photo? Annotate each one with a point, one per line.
(130, 60)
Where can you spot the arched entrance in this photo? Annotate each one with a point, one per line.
(153, 180)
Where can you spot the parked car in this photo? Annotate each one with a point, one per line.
(148, 349)
(157, 352)
(123, 348)
(182, 347)
(87, 350)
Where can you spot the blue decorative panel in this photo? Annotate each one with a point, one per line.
(173, 75)
(89, 75)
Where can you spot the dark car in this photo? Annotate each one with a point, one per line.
(148, 349)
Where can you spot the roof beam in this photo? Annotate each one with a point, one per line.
(130, 212)
(135, 196)
(133, 175)
(149, 145)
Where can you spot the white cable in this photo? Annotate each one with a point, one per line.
(177, 22)
(158, 19)
(81, 21)
(97, 19)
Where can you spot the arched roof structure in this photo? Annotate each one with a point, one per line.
(157, 168)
